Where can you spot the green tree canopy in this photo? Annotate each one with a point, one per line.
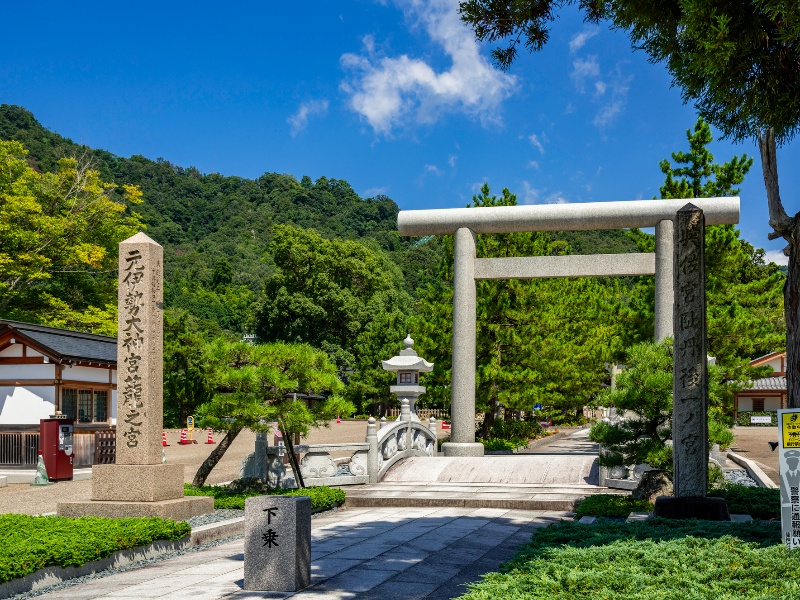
(252, 388)
(59, 234)
(327, 292)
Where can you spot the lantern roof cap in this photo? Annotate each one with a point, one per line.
(407, 360)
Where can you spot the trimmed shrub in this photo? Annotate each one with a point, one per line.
(28, 544)
(759, 503)
(743, 418)
(322, 497)
(651, 560)
(513, 431)
(494, 444)
(611, 506)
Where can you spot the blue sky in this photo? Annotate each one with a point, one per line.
(393, 96)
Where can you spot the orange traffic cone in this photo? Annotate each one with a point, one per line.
(184, 440)
(164, 438)
(210, 439)
(338, 419)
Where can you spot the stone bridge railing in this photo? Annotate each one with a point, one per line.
(367, 463)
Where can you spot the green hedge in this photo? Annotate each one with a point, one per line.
(322, 497)
(743, 418)
(759, 503)
(652, 560)
(494, 444)
(611, 505)
(28, 544)
(514, 430)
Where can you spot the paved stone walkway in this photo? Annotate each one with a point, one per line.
(381, 554)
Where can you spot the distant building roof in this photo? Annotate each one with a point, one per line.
(63, 344)
(775, 383)
(766, 358)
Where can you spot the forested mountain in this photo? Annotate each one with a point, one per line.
(312, 262)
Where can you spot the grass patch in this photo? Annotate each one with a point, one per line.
(322, 497)
(653, 560)
(611, 506)
(28, 543)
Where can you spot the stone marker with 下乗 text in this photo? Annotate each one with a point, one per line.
(277, 543)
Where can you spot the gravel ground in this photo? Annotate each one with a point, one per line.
(740, 477)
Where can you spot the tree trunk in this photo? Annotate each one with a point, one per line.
(788, 229)
(287, 438)
(791, 308)
(213, 458)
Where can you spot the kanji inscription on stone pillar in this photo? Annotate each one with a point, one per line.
(140, 352)
(690, 386)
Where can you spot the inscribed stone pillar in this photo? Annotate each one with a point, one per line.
(140, 351)
(665, 293)
(690, 374)
(462, 387)
(139, 484)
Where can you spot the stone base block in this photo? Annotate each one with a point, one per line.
(708, 509)
(462, 449)
(178, 509)
(137, 483)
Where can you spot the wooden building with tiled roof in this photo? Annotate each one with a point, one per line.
(767, 394)
(46, 369)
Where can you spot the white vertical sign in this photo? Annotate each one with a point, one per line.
(789, 444)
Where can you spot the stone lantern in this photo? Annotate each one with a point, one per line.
(408, 366)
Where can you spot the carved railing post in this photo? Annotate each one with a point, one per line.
(373, 458)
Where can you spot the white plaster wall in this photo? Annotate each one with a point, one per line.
(23, 406)
(17, 372)
(775, 363)
(114, 376)
(772, 403)
(114, 406)
(85, 374)
(32, 352)
(12, 350)
(746, 404)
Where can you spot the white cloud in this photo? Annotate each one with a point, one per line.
(374, 191)
(579, 39)
(390, 92)
(299, 120)
(532, 195)
(451, 160)
(583, 69)
(532, 164)
(600, 87)
(611, 91)
(776, 256)
(536, 142)
(433, 169)
(617, 99)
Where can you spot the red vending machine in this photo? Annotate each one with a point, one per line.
(56, 445)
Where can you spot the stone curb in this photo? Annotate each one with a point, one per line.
(49, 576)
(753, 470)
(555, 504)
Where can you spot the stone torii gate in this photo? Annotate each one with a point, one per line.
(465, 223)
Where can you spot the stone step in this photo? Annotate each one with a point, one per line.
(474, 495)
